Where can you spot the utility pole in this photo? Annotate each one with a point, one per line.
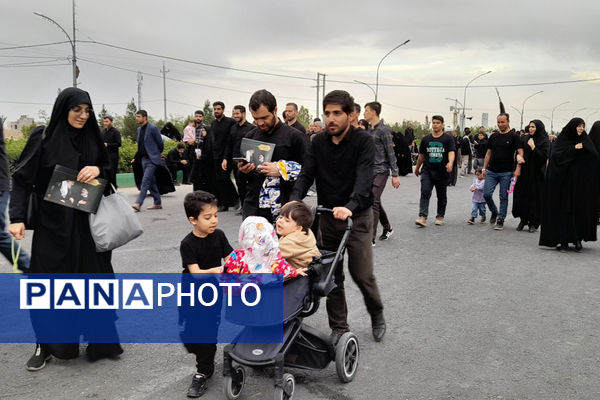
(164, 71)
(71, 42)
(75, 68)
(318, 87)
(323, 86)
(140, 78)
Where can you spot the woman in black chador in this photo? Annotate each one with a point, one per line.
(529, 189)
(62, 242)
(595, 136)
(570, 205)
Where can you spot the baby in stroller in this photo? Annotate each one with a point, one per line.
(302, 346)
(259, 251)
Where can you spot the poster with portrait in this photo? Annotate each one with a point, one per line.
(64, 189)
(255, 152)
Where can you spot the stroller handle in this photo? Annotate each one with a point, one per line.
(323, 288)
(325, 210)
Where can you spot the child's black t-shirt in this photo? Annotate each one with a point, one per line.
(207, 252)
(436, 151)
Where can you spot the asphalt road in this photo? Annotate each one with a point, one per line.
(472, 313)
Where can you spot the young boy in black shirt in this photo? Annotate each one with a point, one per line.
(202, 251)
(436, 154)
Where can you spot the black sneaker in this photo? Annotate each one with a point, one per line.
(482, 220)
(521, 226)
(471, 221)
(38, 359)
(499, 225)
(197, 387)
(386, 234)
(493, 219)
(373, 243)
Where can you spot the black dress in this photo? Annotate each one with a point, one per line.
(570, 202)
(402, 152)
(529, 189)
(62, 242)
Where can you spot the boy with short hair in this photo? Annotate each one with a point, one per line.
(297, 242)
(202, 251)
(436, 155)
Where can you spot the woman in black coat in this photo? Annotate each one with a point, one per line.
(62, 242)
(570, 204)
(529, 189)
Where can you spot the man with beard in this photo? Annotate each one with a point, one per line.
(289, 146)
(199, 154)
(220, 130)
(237, 133)
(112, 142)
(291, 114)
(341, 161)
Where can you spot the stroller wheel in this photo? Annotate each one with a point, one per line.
(346, 357)
(287, 391)
(234, 383)
(310, 307)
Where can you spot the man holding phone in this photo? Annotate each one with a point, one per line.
(289, 146)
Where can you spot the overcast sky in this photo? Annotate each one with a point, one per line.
(521, 42)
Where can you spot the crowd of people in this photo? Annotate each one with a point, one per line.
(346, 161)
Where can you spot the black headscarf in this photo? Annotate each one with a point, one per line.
(595, 135)
(68, 146)
(568, 136)
(540, 134)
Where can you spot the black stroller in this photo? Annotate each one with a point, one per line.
(302, 346)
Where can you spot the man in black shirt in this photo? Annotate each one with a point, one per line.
(436, 154)
(112, 141)
(465, 153)
(176, 160)
(480, 146)
(291, 114)
(289, 146)
(220, 130)
(499, 167)
(237, 133)
(341, 161)
(454, 173)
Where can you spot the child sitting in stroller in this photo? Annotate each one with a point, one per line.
(297, 242)
(259, 252)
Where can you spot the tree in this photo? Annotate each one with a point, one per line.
(128, 126)
(304, 117)
(26, 130)
(209, 117)
(43, 116)
(101, 115)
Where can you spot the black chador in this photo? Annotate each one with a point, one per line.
(570, 201)
(529, 189)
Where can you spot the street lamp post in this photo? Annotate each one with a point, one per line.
(520, 113)
(581, 109)
(523, 106)
(71, 41)
(378, 65)
(462, 118)
(552, 118)
(367, 85)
